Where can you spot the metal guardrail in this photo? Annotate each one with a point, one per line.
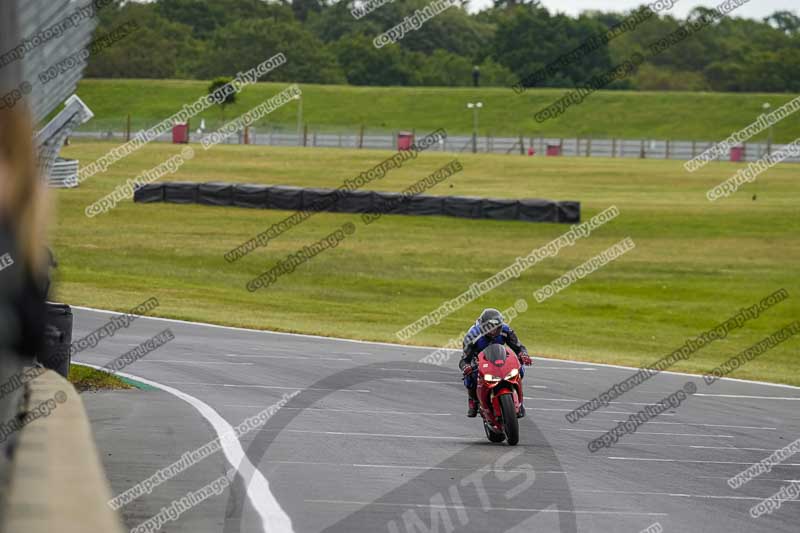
(63, 174)
(51, 138)
(28, 52)
(679, 150)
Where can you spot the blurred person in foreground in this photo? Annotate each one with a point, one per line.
(24, 259)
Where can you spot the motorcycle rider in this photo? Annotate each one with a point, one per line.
(488, 329)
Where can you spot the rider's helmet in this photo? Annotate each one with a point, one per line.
(490, 322)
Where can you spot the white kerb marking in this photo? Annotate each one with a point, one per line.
(273, 517)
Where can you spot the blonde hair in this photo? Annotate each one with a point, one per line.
(23, 195)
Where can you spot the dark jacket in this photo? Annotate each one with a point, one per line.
(475, 343)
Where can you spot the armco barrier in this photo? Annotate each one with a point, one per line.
(57, 482)
(340, 201)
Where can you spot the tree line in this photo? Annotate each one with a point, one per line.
(511, 41)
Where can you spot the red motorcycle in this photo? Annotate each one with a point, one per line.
(499, 393)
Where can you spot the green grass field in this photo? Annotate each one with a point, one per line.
(606, 114)
(84, 378)
(694, 265)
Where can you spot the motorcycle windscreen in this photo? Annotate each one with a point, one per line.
(495, 353)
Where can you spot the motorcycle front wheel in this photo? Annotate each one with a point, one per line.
(491, 435)
(510, 422)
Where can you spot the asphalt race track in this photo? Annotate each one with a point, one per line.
(378, 442)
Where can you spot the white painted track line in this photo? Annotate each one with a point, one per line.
(777, 398)
(657, 433)
(414, 413)
(431, 348)
(202, 384)
(194, 362)
(661, 460)
(263, 356)
(273, 517)
(564, 410)
(671, 494)
(416, 467)
(706, 425)
(695, 446)
(484, 509)
(382, 435)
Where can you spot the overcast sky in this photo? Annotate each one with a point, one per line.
(757, 9)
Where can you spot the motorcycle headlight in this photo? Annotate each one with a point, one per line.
(512, 374)
(489, 377)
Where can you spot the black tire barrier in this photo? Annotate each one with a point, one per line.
(284, 197)
(215, 193)
(57, 339)
(252, 196)
(180, 193)
(289, 198)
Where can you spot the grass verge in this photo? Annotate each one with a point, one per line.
(605, 114)
(85, 378)
(695, 263)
